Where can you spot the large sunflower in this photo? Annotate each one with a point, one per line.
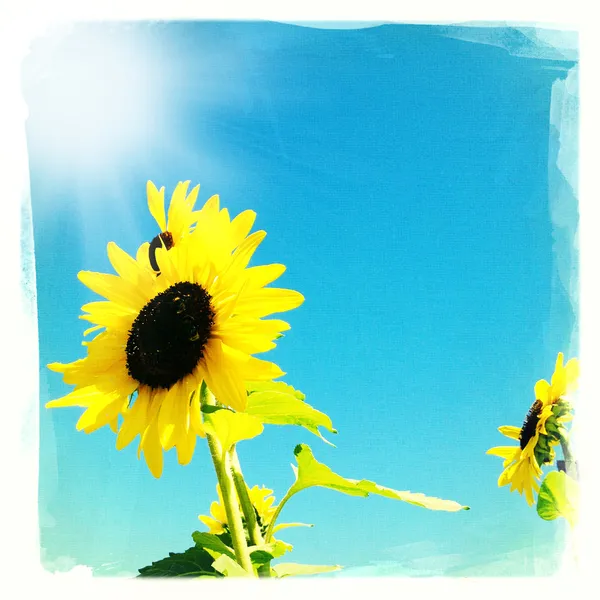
(262, 499)
(200, 320)
(541, 431)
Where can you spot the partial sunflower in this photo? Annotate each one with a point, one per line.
(163, 336)
(542, 430)
(262, 500)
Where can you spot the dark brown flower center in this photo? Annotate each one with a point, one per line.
(168, 337)
(165, 238)
(530, 424)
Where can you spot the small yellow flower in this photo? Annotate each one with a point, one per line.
(541, 430)
(262, 500)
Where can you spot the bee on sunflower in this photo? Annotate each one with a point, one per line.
(186, 311)
(543, 429)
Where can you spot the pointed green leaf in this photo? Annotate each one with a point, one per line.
(276, 403)
(229, 567)
(286, 525)
(287, 569)
(311, 473)
(194, 562)
(558, 497)
(230, 427)
(210, 541)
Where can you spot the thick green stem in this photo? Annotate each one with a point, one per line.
(247, 507)
(252, 525)
(230, 499)
(570, 464)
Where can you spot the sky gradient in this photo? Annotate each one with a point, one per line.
(402, 177)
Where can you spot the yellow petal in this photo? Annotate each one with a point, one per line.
(510, 431)
(167, 415)
(240, 259)
(156, 204)
(150, 444)
(101, 412)
(192, 196)
(179, 216)
(542, 391)
(264, 274)
(210, 209)
(84, 397)
(185, 448)
(256, 369)
(114, 288)
(134, 420)
(504, 451)
(214, 526)
(196, 416)
(143, 256)
(241, 226)
(220, 371)
(507, 475)
(572, 375)
(265, 301)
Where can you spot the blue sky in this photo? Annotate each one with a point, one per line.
(402, 177)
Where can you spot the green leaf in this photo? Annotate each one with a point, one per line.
(194, 562)
(286, 525)
(274, 549)
(260, 557)
(210, 541)
(277, 403)
(287, 569)
(229, 567)
(312, 473)
(230, 427)
(558, 497)
(273, 386)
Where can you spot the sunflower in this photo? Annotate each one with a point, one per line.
(262, 500)
(200, 320)
(542, 430)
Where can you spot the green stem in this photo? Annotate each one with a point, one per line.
(570, 464)
(274, 519)
(247, 507)
(254, 532)
(230, 500)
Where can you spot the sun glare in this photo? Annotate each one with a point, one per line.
(94, 94)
